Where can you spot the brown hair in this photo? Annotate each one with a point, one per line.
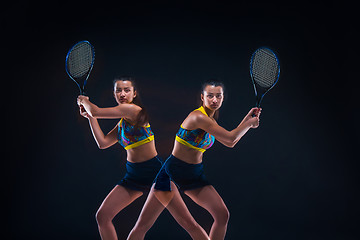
(143, 117)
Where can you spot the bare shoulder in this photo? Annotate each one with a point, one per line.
(196, 119)
(129, 110)
(199, 116)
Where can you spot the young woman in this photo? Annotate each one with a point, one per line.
(133, 132)
(184, 167)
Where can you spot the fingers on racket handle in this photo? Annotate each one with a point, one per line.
(257, 106)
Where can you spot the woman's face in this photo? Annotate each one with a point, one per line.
(124, 92)
(212, 97)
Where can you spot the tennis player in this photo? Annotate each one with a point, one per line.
(133, 132)
(183, 170)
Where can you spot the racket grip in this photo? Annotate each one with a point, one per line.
(257, 106)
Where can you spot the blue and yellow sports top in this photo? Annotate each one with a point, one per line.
(131, 137)
(197, 139)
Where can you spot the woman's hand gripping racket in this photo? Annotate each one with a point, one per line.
(79, 63)
(264, 72)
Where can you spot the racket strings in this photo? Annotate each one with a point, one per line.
(265, 68)
(80, 60)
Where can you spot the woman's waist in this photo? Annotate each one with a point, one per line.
(142, 170)
(186, 154)
(141, 153)
(177, 168)
(148, 162)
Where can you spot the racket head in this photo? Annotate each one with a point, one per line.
(264, 71)
(79, 63)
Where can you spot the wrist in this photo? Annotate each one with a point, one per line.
(250, 123)
(90, 118)
(246, 124)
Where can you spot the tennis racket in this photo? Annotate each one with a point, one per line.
(264, 72)
(79, 63)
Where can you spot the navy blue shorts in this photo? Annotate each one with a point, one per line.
(186, 176)
(140, 176)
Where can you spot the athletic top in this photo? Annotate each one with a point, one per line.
(131, 137)
(197, 139)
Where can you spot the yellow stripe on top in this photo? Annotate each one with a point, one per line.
(146, 140)
(182, 141)
(196, 139)
(130, 136)
(201, 109)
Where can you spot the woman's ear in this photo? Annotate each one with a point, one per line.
(202, 97)
(134, 93)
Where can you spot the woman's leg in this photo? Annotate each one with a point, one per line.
(181, 214)
(116, 200)
(153, 207)
(149, 213)
(208, 198)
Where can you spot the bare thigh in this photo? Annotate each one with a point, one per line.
(208, 198)
(155, 204)
(179, 210)
(150, 211)
(115, 201)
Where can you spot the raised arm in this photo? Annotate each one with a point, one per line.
(129, 111)
(103, 141)
(228, 138)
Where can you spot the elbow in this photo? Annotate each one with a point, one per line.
(229, 144)
(102, 146)
(232, 143)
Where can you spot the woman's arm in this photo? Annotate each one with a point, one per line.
(123, 110)
(228, 138)
(103, 141)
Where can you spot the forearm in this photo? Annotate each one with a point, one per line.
(97, 132)
(239, 132)
(90, 108)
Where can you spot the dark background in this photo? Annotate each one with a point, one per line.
(295, 177)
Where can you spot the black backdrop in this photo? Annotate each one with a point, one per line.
(295, 177)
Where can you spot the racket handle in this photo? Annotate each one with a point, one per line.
(257, 106)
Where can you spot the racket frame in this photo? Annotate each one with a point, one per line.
(85, 77)
(261, 91)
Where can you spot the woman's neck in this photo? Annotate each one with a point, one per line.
(209, 112)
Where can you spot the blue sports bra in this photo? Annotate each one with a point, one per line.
(197, 139)
(131, 137)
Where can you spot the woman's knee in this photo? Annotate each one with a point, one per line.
(103, 217)
(222, 215)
